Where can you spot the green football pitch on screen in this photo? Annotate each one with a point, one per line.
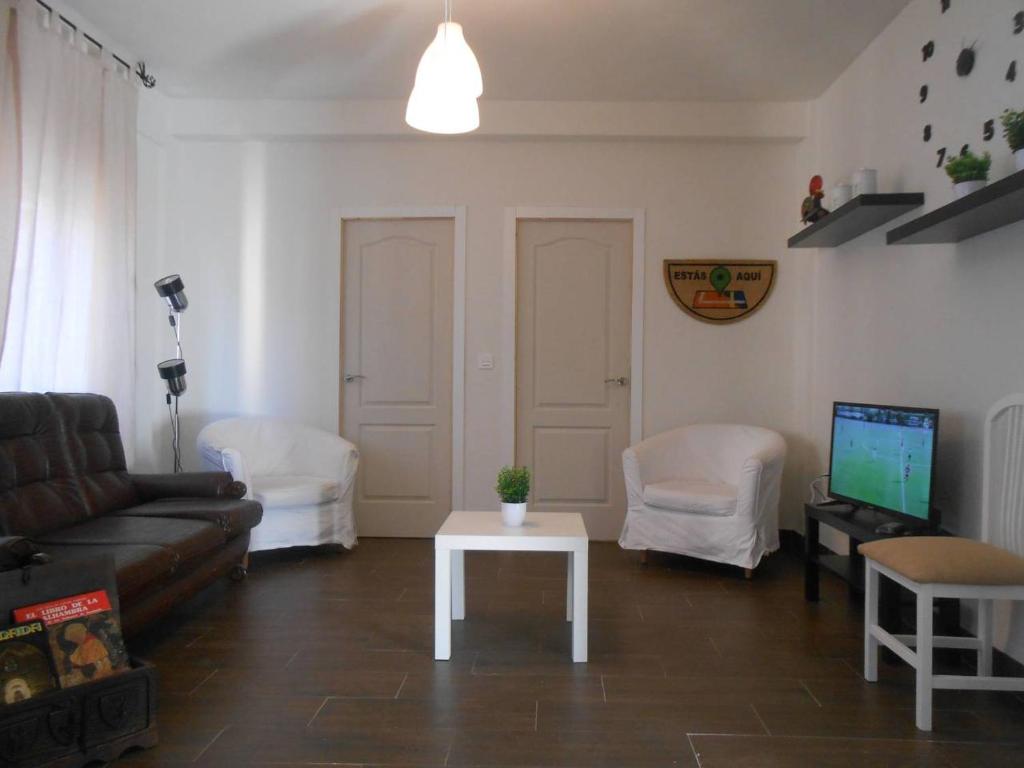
(883, 465)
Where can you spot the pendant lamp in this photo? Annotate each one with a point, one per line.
(448, 83)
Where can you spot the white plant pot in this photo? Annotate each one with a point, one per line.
(964, 188)
(513, 515)
(1018, 159)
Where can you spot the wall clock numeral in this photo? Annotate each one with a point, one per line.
(928, 133)
(928, 50)
(1018, 22)
(965, 149)
(1011, 73)
(923, 94)
(945, 5)
(988, 130)
(942, 156)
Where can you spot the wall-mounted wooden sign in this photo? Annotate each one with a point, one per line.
(719, 291)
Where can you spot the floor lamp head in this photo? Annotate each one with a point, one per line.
(172, 288)
(173, 372)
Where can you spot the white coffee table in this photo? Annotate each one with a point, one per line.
(483, 531)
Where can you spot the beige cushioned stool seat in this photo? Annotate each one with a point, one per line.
(946, 560)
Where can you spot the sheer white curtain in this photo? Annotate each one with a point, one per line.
(70, 315)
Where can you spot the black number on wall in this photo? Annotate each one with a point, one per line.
(945, 5)
(988, 130)
(942, 156)
(928, 50)
(1018, 22)
(923, 94)
(1011, 73)
(965, 62)
(965, 149)
(927, 133)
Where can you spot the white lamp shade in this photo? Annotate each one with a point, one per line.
(439, 110)
(449, 60)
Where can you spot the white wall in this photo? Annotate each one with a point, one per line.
(250, 227)
(935, 325)
(241, 195)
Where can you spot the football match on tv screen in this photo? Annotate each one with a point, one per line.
(882, 457)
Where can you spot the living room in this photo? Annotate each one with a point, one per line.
(576, 252)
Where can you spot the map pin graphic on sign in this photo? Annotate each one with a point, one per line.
(720, 279)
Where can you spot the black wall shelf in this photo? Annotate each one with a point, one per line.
(862, 214)
(992, 207)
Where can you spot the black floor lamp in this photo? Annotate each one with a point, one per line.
(173, 371)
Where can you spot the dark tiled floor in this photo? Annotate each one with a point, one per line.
(326, 658)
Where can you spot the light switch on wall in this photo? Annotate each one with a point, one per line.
(485, 362)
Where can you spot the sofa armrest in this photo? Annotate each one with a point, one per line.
(191, 485)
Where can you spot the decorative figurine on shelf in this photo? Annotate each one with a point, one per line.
(811, 211)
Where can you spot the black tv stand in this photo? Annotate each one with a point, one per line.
(860, 524)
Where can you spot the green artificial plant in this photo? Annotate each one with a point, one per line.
(1013, 128)
(968, 167)
(513, 484)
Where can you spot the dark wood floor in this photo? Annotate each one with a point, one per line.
(326, 658)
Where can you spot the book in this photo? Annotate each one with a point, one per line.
(84, 637)
(25, 666)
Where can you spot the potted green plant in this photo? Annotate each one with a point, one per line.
(1013, 130)
(513, 488)
(969, 172)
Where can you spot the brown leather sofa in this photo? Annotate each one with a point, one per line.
(65, 487)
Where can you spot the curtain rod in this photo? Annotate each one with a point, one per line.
(140, 69)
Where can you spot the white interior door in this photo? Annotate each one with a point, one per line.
(396, 398)
(573, 296)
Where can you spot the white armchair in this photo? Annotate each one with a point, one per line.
(709, 491)
(302, 476)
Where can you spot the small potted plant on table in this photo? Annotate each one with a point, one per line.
(1013, 130)
(969, 172)
(513, 488)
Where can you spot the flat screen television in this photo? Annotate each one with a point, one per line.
(883, 457)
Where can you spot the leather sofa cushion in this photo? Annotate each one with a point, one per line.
(184, 538)
(97, 455)
(294, 490)
(233, 516)
(139, 566)
(697, 497)
(37, 491)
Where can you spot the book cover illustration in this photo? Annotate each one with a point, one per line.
(25, 670)
(85, 637)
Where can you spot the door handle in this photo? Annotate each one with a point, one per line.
(350, 377)
(621, 381)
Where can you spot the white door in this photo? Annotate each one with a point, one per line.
(396, 390)
(574, 294)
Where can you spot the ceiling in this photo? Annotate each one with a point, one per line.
(596, 50)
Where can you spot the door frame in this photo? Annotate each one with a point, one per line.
(458, 214)
(638, 217)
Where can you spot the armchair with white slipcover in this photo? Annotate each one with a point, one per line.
(709, 491)
(303, 477)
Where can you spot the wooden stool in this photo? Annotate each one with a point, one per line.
(931, 567)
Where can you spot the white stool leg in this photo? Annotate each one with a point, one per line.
(924, 658)
(870, 620)
(985, 638)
